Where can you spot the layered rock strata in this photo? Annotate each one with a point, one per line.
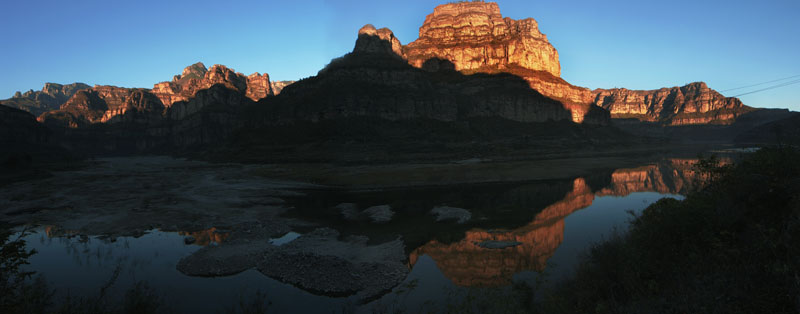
(693, 103)
(51, 97)
(376, 81)
(101, 104)
(196, 77)
(476, 38)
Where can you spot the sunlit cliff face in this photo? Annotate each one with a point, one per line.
(475, 37)
(468, 264)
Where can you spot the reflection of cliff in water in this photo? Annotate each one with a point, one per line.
(201, 238)
(468, 264)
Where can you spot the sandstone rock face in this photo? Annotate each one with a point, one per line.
(474, 35)
(111, 104)
(196, 77)
(278, 86)
(371, 40)
(476, 38)
(105, 104)
(258, 86)
(374, 81)
(51, 97)
(693, 103)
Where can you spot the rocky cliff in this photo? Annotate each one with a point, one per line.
(476, 38)
(196, 77)
(278, 86)
(693, 103)
(111, 104)
(51, 97)
(104, 104)
(376, 81)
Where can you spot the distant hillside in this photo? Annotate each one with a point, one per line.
(51, 97)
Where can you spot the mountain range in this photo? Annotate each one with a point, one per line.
(471, 71)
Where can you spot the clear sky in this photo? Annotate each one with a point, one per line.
(602, 44)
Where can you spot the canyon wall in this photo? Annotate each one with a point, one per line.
(477, 39)
(693, 103)
(50, 97)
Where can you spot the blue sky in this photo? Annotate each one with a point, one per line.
(602, 44)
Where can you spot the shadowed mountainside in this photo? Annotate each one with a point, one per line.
(51, 97)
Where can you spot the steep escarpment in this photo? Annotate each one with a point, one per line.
(101, 104)
(476, 38)
(474, 35)
(51, 97)
(111, 104)
(375, 81)
(196, 77)
(693, 103)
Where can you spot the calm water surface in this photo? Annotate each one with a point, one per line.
(551, 222)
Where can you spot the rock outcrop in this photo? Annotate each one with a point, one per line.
(375, 81)
(476, 38)
(693, 103)
(105, 104)
(278, 86)
(167, 100)
(196, 77)
(51, 97)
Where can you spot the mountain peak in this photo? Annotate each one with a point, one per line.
(371, 40)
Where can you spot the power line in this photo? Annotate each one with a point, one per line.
(754, 85)
(768, 88)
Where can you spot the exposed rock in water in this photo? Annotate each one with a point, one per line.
(349, 211)
(320, 263)
(693, 103)
(379, 214)
(445, 213)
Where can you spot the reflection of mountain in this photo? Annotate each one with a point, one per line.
(467, 264)
(202, 237)
(206, 237)
(674, 176)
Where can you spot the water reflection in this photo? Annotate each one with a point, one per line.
(206, 237)
(548, 221)
(467, 263)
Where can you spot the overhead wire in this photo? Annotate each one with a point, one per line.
(759, 84)
(770, 87)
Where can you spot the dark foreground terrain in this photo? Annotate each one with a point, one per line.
(729, 247)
